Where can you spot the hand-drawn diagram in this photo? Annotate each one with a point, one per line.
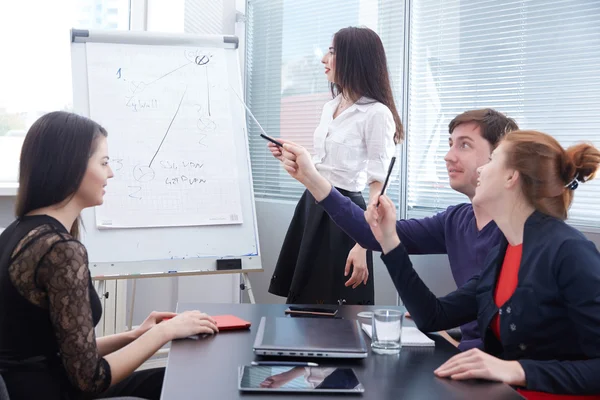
(205, 124)
(169, 121)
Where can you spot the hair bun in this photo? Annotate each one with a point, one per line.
(583, 161)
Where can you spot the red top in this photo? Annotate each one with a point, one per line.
(507, 281)
(505, 287)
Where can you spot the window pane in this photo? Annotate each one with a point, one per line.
(166, 16)
(186, 16)
(35, 75)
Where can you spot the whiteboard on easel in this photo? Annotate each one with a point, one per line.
(182, 194)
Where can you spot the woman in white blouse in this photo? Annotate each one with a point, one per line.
(353, 146)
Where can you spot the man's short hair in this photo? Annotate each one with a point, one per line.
(493, 124)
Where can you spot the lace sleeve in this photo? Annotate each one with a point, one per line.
(63, 273)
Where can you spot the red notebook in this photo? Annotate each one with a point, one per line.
(230, 322)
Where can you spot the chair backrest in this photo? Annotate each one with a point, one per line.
(3, 390)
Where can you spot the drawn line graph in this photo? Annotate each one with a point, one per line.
(169, 128)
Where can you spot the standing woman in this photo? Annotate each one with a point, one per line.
(48, 305)
(353, 143)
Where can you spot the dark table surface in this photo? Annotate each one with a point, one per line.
(208, 368)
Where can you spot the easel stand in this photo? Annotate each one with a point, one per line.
(245, 285)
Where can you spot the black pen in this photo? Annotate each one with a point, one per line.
(271, 140)
(387, 178)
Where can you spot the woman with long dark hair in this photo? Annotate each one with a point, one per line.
(48, 305)
(353, 143)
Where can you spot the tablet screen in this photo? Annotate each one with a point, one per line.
(299, 379)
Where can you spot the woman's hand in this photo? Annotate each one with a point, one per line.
(357, 260)
(298, 163)
(189, 323)
(476, 364)
(275, 150)
(382, 220)
(152, 320)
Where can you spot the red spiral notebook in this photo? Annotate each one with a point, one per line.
(230, 322)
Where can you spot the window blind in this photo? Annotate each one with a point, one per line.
(286, 86)
(535, 60)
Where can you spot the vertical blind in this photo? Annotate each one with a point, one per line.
(286, 86)
(537, 61)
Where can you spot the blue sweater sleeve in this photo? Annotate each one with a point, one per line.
(425, 235)
(429, 312)
(420, 236)
(578, 278)
(350, 218)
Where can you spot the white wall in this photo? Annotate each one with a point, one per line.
(7, 210)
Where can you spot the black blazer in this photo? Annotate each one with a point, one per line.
(551, 324)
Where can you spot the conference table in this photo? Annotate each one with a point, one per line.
(207, 368)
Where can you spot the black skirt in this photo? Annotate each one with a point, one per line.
(310, 268)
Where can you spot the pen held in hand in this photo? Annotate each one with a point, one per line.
(387, 178)
(271, 140)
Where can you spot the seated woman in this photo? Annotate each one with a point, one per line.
(537, 300)
(48, 305)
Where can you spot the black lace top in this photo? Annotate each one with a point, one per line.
(48, 311)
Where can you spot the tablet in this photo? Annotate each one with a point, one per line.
(279, 379)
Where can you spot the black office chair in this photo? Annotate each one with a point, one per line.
(3, 390)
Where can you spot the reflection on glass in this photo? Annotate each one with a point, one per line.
(299, 378)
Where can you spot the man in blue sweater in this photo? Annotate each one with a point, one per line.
(463, 232)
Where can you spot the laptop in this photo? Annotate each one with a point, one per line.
(309, 337)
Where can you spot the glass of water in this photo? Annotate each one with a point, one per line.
(387, 331)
